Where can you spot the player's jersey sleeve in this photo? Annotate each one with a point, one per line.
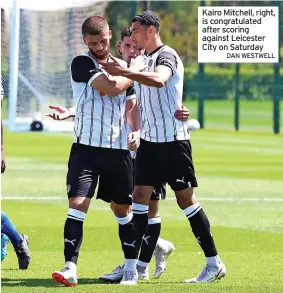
(168, 59)
(130, 92)
(84, 70)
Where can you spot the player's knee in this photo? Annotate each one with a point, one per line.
(185, 198)
(153, 210)
(79, 203)
(120, 211)
(142, 194)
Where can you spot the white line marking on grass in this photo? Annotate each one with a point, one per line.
(169, 198)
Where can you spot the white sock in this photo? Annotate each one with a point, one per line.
(125, 220)
(139, 208)
(76, 214)
(72, 266)
(192, 210)
(213, 261)
(142, 264)
(130, 264)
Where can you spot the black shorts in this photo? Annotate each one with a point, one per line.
(159, 191)
(169, 162)
(113, 168)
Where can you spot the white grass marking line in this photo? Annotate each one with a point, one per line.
(169, 198)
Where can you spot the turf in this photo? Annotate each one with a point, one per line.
(255, 116)
(240, 188)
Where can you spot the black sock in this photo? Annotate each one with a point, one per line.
(201, 229)
(140, 216)
(73, 235)
(127, 236)
(149, 240)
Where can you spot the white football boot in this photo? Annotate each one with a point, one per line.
(130, 277)
(67, 276)
(162, 251)
(115, 276)
(143, 272)
(209, 274)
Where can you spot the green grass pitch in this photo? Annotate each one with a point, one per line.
(240, 187)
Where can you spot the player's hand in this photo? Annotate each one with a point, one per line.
(61, 113)
(113, 68)
(137, 64)
(3, 162)
(183, 114)
(134, 140)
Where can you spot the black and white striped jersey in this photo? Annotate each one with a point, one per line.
(158, 105)
(100, 120)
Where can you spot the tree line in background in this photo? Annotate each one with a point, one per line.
(179, 21)
(179, 29)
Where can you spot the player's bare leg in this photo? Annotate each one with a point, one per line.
(73, 236)
(200, 225)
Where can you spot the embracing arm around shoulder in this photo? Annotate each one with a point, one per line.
(166, 66)
(84, 70)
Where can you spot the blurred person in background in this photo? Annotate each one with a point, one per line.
(8, 230)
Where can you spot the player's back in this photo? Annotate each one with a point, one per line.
(100, 119)
(158, 105)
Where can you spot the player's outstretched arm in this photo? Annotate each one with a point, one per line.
(61, 113)
(165, 68)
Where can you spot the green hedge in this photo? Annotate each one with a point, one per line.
(256, 82)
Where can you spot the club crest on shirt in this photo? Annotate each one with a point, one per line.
(150, 63)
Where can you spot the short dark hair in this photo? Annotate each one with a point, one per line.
(126, 32)
(148, 18)
(94, 25)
